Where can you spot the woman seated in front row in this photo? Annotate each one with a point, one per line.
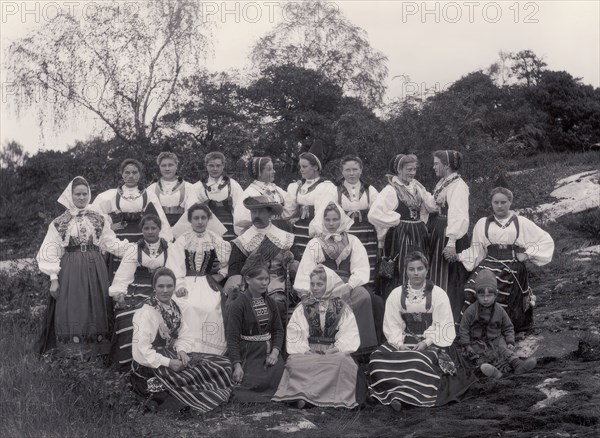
(321, 336)
(344, 253)
(164, 370)
(418, 365)
(255, 336)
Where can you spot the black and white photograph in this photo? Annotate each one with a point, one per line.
(301, 218)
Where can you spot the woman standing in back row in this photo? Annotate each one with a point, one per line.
(448, 228)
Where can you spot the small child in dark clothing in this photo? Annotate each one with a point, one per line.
(487, 333)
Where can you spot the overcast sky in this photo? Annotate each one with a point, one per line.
(433, 43)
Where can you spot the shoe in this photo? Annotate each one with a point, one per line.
(490, 371)
(396, 405)
(300, 404)
(524, 366)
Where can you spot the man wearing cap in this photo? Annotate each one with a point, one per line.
(272, 243)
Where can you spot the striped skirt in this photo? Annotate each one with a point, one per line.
(137, 293)
(514, 292)
(406, 237)
(301, 238)
(415, 377)
(368, 237)
(225, 215)
(203, 385)
(449, 276)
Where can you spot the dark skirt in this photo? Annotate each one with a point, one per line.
(451, 277)
(301, 238)
(406, 237)
(224, 213)
(137, 293)
(259, 382)
(203, 385)
(368, 237)
(514, 292)
(80, 320)
(419, 378)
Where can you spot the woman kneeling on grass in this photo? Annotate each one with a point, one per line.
(418, 365)
(163, 371)
(321, 335)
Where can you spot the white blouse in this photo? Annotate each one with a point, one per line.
(147, 321)
(217, 194)
(347, 339)
(314, 255)
(241, 215)
(199, 244)
(457, 198)
(383, 211)
(126, 272)
(170, 198)
(538, 244)
(80, 230)
(106, 202)
(441, 332)
(323, 192)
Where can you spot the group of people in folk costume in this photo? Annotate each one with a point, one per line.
(321, 294)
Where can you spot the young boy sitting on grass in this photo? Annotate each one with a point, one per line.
(487, 333)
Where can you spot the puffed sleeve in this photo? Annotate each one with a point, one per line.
(325, 192)
(313, 255)
(200, 192)
(347, 338)
(382, 213)
(50, 253)
(472, 256)
(428, 204)
(110, 243)
(165, 230)
(223, 251)
(145, 323)
(289, 208)
(176, 261)
(125, 273)
(442, 331)
(290, 198)
(393, 324)
(538, 244)
(458, 211)
(359, 263)
(237, 193)
(297, 333)
(373, 195)
(241, 216)
(104, 201)
(185, 339)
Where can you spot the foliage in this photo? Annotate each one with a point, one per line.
(317, 36)
(122, 64)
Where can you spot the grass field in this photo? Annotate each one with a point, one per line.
(57, 398)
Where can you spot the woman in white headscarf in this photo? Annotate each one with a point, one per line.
(333, 247)
(321, 336)
(79, 311)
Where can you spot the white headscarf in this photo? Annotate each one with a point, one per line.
(333, 283)
(66, 197)
(317, 225)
